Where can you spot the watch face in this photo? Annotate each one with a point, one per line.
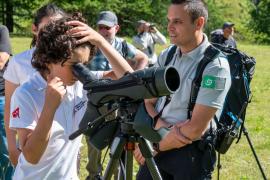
(156, 147)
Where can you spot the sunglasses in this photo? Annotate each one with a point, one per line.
(104, 27)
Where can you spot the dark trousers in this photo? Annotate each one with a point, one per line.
(187, 163)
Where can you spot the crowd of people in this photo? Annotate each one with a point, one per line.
(42, 102)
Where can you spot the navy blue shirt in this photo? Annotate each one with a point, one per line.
(217, 37)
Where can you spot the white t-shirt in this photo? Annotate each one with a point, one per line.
(59, 160)
(20, 68)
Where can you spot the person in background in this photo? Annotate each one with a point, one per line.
(19, 70)
(6, 169)
(107, 26)
(224, 36)
(148, 35)
(180, 154)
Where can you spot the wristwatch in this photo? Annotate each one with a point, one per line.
(156, 147)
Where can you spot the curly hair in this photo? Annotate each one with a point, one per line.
(54, 45)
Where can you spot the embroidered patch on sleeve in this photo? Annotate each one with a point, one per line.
(213, 82)
(16, 113)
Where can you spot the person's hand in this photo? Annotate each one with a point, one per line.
(138, 155)
(55, 92)
(174, 139)
(85, 33)
(153, 29)
(14, 154)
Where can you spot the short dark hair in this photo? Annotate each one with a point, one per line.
(48, 10)
(54, 45)
(195, 8)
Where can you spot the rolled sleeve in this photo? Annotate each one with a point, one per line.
(218, 73)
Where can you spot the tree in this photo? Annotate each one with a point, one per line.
(260, 21)
(14, 13)
(214, 16)
(127, 11)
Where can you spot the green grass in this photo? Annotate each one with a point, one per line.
(239, 162)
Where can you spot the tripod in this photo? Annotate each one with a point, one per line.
(125, 142)
(252, 149)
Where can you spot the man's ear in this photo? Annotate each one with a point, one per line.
(117, 28)
(34, 29)
(199, 23)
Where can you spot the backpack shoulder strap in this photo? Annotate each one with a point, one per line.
(170, 55)
(124, 49)
(209, 55)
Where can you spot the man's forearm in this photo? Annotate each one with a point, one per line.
(199, 122)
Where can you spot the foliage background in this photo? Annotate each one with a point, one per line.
(238, 163)
(250, 16)
(252, 26)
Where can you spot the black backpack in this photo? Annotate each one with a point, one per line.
(232, 118)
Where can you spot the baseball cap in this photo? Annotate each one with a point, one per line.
(107, 18)
(227, 24)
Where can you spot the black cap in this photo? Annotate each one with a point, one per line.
(227, 24)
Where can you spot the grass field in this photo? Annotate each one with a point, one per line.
(239, 162)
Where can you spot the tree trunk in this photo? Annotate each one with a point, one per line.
(9, 15)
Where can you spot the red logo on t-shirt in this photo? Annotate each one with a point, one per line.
(16, 113)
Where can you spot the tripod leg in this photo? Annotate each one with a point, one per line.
(218, 166)
(254, 152)
(125, 171)
(129, 163)
(115, 154)
(147, 154)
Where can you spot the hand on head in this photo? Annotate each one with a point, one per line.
(86, 33)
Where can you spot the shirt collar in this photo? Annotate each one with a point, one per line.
(198, 51)
(39, 82)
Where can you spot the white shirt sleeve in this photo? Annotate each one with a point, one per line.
(159, 38)
(98, 74)
(216, 72)
(22, 110)
(140, 41)
(11, 72)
